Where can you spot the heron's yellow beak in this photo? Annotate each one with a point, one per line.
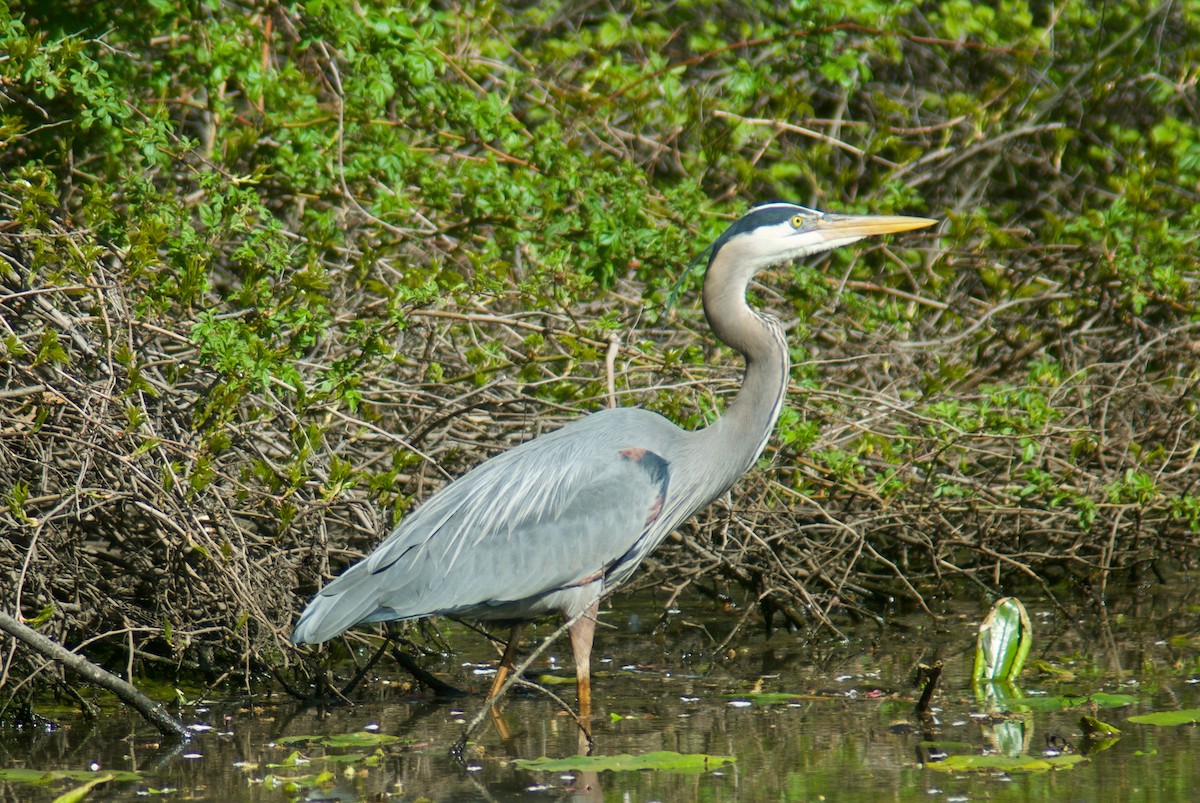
(835, 227)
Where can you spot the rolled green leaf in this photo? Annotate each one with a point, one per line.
(1005, 637)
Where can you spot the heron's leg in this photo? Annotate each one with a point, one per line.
(581, 645)
(506, 661)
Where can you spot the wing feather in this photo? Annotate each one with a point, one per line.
(552, 513)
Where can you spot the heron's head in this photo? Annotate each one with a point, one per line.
(778, 232)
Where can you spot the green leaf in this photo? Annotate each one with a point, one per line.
(1188, 716)
(1097, 728)
(80, 792)
(1005, 763)
(1005, 637)
(347, 758)
(43, 616)
(1056, 672)
(293, 760)
(555, 680)
(665, 760)
(32, 776)
(356, 739)
(360, 739)
(21, 775)
(1067, 701)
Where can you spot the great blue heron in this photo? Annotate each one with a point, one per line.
(555, 523)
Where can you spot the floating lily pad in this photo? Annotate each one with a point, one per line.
(369, 759)
(556, 680)
(1004, 763)
(1067, 701)
(294, 760)
(663, 760)
(1188, 716)
(21, 775)
(360, 739)
(299, 782)
(1047, 668)
(27, 776)
(357, 739)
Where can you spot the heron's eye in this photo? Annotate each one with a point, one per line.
(798, 222)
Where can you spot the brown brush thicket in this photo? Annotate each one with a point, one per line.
(1009, 400)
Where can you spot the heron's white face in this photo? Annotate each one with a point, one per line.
(778, 232)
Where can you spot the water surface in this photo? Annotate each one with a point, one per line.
(852, 735)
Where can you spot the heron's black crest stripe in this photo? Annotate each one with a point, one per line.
(771, 214)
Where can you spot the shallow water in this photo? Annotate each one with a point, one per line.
(853, 735)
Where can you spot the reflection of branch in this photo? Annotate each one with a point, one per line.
(152, 711)
(928, 677)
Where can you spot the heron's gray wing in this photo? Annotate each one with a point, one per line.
(553, 513)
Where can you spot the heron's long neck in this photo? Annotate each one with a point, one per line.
(738, 437)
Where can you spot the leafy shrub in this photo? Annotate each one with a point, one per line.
(272, 273)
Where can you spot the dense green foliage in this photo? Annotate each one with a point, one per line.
(273, 271)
